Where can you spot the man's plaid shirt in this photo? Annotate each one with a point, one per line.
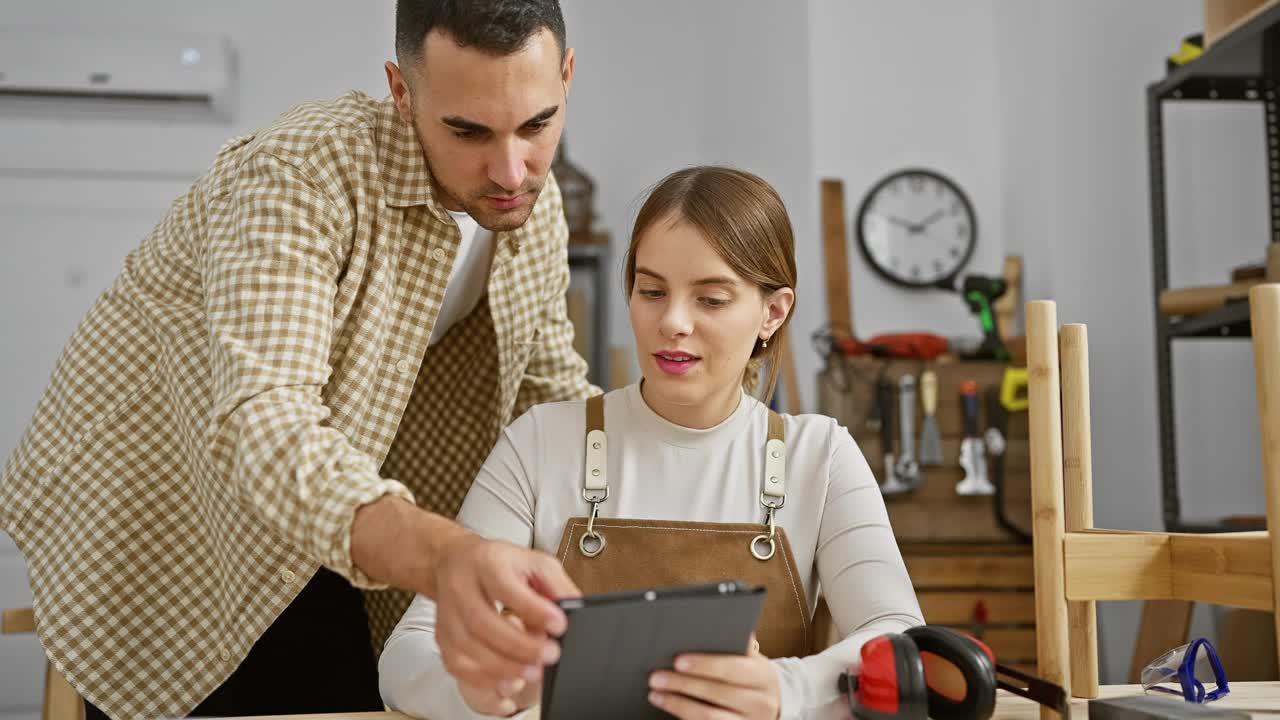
(212, 426)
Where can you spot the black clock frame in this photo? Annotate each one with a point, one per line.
(862, 241)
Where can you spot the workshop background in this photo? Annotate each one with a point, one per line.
(1036, 109)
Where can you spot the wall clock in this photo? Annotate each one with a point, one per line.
(916, 228)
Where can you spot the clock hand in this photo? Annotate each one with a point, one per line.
(935, 217)
(900, 221)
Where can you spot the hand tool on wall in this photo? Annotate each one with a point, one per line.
(1007, 305)
(930, 438)
(890, 484)
(979, 291)
(973, 454)
(1013, 389)
(996, 441)
(907, 469)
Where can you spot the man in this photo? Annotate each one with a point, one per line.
(351, 303)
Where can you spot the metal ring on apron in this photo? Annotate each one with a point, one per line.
(591, 533)
(755, 541)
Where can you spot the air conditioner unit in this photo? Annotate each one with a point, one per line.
(147, 73)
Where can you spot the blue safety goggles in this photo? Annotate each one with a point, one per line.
(1185, 671)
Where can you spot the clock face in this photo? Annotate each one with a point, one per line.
(916, 228)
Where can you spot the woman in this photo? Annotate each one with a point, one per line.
(685, 477)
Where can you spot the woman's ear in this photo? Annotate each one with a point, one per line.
(777, 306)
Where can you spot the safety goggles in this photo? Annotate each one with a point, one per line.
(1185, 671)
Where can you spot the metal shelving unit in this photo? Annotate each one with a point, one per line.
(595, 259)
(1243, 65)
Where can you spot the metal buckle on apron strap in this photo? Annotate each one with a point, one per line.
(766, 538)
(774, 494)
(597, 541)
(595, 487)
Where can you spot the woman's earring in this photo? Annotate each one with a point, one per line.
(764, 343)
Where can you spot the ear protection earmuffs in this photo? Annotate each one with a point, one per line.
(928, 671)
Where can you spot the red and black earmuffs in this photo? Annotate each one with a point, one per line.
(928, 671)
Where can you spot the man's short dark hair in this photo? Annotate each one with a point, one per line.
(500, 27)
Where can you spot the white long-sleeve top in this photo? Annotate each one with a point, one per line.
(835, 520)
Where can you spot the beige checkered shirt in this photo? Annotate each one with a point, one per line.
(224, 408)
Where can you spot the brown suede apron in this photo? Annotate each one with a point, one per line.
(616, 554)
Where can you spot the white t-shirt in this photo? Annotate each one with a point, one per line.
(469, 277)
(834, 517)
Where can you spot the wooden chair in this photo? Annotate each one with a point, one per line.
(1076, 564)
(61, 701)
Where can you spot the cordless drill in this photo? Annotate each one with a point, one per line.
(979, 292)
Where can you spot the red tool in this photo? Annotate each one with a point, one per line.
(913, 675)
(916, 345)
(931, 671)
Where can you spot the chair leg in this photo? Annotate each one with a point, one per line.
(1078, 483)
(1052, 647)
(1264, 314)
(61, 701)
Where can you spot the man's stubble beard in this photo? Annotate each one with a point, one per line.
(487, 218)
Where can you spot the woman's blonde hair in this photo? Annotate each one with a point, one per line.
(744, 220)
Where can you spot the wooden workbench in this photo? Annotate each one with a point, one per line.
(1260, 699)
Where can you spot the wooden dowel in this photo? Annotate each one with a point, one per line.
(1047, 494)
(1078, 483)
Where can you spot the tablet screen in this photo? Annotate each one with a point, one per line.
(616, 640)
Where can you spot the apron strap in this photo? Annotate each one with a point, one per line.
(595, 485)
(773, 494)
(775, 465)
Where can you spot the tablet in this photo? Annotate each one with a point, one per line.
(616, 640)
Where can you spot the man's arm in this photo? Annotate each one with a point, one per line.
(270, 273)
(469, 577)
(555, 371)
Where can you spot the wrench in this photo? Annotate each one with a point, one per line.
(908, 468)
(892, 484)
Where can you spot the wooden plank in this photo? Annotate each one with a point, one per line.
(1012, 644)
(790, 380)
(958, 607)
(580, 318)
(21, 620)
(1224, 568)
(1217, 12)
(1006, 307)
(1048, 505)
(61, 701)
(1108, 565)
(1264, 316)
(968, 519)
(620, 359)
(1077, 466)
(989, 571)
(1164, 625)
(835, 257)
